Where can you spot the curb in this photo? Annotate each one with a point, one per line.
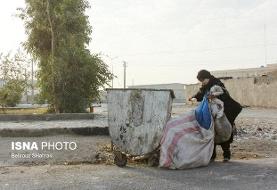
(46, 117)
(85, 131)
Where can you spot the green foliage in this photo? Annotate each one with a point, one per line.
(58, 35)
(11, 93)
(13, 77)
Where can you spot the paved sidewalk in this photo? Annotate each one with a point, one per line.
(96, 126)
(99, 120)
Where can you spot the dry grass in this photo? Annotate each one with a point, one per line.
(106, 156)
(18, 111)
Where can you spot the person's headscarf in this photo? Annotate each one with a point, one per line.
(203, 74)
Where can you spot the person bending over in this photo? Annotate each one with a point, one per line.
(231, 107)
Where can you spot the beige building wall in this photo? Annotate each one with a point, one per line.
(256, 92)
(245, 73)
(191, 89)
(178, 88)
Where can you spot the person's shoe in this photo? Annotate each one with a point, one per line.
(226, 155)
(226, 159)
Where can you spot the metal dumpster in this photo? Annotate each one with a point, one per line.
(136, 120)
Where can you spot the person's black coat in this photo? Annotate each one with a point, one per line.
(231, 107)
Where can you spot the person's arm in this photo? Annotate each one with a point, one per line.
(198, 96)
(215, 91)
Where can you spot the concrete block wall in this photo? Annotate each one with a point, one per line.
(256, 92)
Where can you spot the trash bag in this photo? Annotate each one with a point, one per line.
(223, 129)
(186, 144)
(203, 115)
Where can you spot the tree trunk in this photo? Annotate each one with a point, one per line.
(52, 54)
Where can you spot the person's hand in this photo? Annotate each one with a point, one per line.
(211, 96)
(191, 99)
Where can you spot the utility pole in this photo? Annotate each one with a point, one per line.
(32, 82)
(26, 82)
(124, 65)
(112, 74)
(265, 46)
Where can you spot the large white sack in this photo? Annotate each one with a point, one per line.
(185, 144)
(223, 129)
(222, 126)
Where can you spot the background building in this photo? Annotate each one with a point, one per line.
(178, 88)
(245, 73)
(251, 87)
(1, 83)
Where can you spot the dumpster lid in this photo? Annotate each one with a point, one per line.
(145, 89)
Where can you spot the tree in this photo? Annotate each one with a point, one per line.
(58, 36)
(14, 78)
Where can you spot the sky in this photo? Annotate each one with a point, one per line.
(168, 41)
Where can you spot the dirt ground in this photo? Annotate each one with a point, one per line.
(256, 138)
(256, 133)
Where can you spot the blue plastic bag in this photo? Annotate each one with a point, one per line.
(203, 114)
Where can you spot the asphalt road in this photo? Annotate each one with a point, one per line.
(246, 175)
